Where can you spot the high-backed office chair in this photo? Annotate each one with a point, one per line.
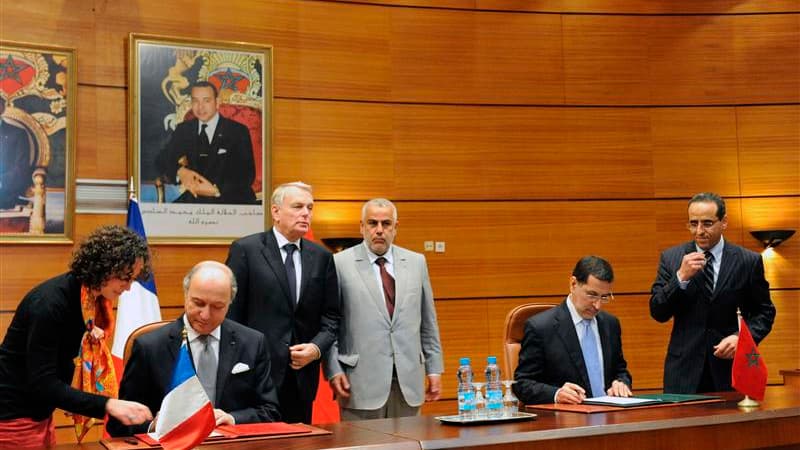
(515, 330)
(136, 333)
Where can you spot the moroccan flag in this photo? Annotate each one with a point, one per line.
(324, 409)
(749, 375)
(137, 306)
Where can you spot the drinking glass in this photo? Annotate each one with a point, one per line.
(510, 401)
(480, 400)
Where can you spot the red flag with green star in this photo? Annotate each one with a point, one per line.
(749, 375)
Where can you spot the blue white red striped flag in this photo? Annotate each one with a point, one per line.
(137, 306)
(186, 416)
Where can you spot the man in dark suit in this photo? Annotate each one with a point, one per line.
(240, 388)
(289, 291)
(574, 350)
(700, 285)
(210, 156)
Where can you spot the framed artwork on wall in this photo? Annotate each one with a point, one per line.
(200, 142)
(37, 142)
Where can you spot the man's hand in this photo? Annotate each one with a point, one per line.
(434, 389)
(570, 394)
(302, 354)
(340, 385)
(619, 389)
(197, 184)
(691, 264)
(726, 347)
(223, 418)
(128, 413)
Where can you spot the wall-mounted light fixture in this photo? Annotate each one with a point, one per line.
(772, 238)
(337, 244)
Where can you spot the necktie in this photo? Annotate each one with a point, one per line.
(708, 275)
(388, 285)
(207, 367)
(591, 359)
(203, 150)
(203, 140)
(291, 274)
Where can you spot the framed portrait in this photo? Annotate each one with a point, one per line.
(37, 142)
(200, 115)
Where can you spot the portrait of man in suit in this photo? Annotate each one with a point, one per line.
(388, 343)
(288, 290)
(574, 351)
(210, 156)
(700, 284)
(231, 360)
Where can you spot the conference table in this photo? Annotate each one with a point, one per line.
(722, 425)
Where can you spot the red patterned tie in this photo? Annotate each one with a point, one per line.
(388, 285)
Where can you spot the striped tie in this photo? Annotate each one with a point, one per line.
(708, 276)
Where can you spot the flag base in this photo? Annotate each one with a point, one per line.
(748, 402)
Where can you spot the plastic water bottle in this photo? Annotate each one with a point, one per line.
(494, 390)
(466, 394)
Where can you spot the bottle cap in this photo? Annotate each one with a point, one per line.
(492, 360)
(463, 361)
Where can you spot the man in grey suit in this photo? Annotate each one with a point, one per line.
(388, 337)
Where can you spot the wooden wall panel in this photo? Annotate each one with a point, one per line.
(602, 6)
(464, 332)
(779, 213)
(511, 249)
(767, 58)
(694, 150)
(606, 60)
(430, 152)
(336, 50)
(463, 57)
(102, 133)
(769, 150)
(440, 152)
(680, 60)
(343, 149)
(780, 348)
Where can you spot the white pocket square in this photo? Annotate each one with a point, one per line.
(222, 151)
(239, 368)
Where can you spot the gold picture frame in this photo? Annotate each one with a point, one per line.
(38, 84)
(193, 191)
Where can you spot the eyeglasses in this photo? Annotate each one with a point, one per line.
(594, 298)
(693, 225)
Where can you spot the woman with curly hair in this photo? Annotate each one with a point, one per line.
(55, 355)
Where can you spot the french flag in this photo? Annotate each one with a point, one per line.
(137, 306)
(186, 417)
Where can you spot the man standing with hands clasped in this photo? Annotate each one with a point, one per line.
(389, 338)
(700, 284)
(288, 291)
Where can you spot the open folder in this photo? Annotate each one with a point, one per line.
(646, 399)
(623, 402)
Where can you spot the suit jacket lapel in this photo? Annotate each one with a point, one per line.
(730, 261)
(400, 280)
(566, 331)
(306, 261)
(367, 274)
(175, 338)
(228, 354)
(272, 255)
(605, 346)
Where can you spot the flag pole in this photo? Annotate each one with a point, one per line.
(131, 189)
(747, 402)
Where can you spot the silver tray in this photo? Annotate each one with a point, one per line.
(458, 420)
